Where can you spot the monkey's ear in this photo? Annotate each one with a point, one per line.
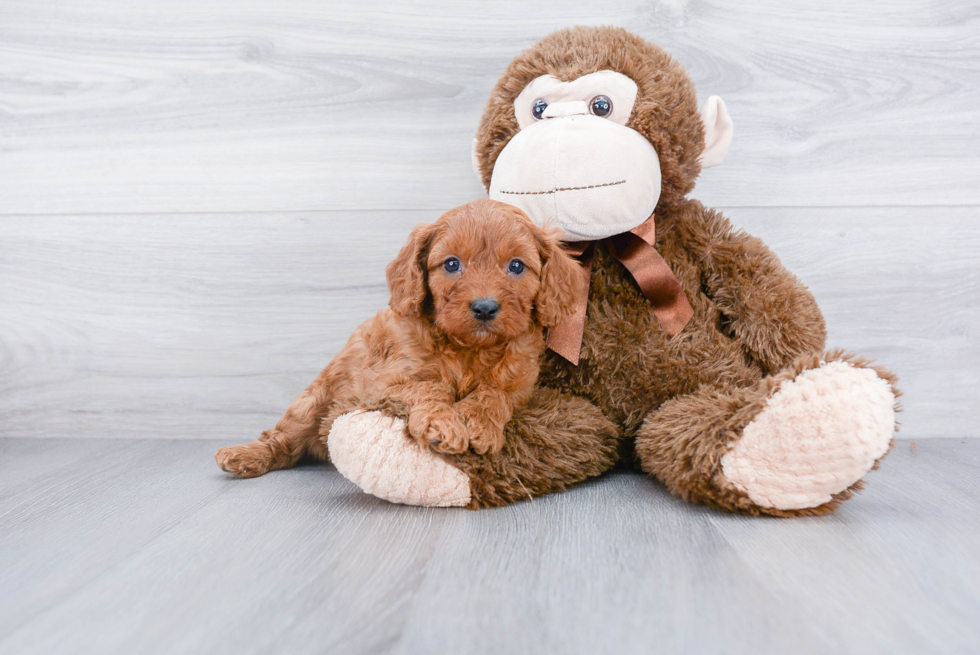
(718, 131)
(407, 274)
(562, 282)
(475, 161)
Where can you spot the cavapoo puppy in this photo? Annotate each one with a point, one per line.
(458, 349)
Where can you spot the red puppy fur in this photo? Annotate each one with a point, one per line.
(457, 351)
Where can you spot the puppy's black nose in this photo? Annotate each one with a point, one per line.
(484, 309)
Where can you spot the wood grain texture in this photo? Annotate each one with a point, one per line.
(207, 326)
(251, 105)
(145, 546)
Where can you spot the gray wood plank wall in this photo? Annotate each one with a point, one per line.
(197, 199)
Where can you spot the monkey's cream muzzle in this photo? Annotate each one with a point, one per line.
(588, 176)
(591, 177)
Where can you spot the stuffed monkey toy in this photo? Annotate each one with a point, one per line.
(695, 355)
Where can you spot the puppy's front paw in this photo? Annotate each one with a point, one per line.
(485, 437)
(441, 430)
(248, 460)
(485, 441)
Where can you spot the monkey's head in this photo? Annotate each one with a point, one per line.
(593, 127)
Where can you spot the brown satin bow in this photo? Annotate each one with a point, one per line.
(635, 250)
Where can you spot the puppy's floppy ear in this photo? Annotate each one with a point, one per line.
(562, 281)
(407, 274)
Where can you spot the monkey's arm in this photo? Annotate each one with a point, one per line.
(769, 310)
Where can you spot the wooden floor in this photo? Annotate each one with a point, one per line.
(144, 546)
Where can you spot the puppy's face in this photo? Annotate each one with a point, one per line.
(486, 273)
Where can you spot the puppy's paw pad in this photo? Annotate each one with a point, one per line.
(448, 437)
(487, 441)
(245, 461)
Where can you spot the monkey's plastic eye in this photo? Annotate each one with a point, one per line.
(538, 109)
(451, 265)
(516, 267)
(601, 106)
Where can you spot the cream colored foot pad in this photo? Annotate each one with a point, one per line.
(818, 435)
(372, 451)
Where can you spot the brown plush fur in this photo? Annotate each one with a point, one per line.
(456, 377)
(683, 399)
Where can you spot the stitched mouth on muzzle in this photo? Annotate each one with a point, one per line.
(557, 189)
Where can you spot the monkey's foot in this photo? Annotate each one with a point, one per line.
(818, 435)
(375, 452)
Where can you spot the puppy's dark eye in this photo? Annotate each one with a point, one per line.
(451, 265)
(516, 267)
(537, 109)
(601, 106)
